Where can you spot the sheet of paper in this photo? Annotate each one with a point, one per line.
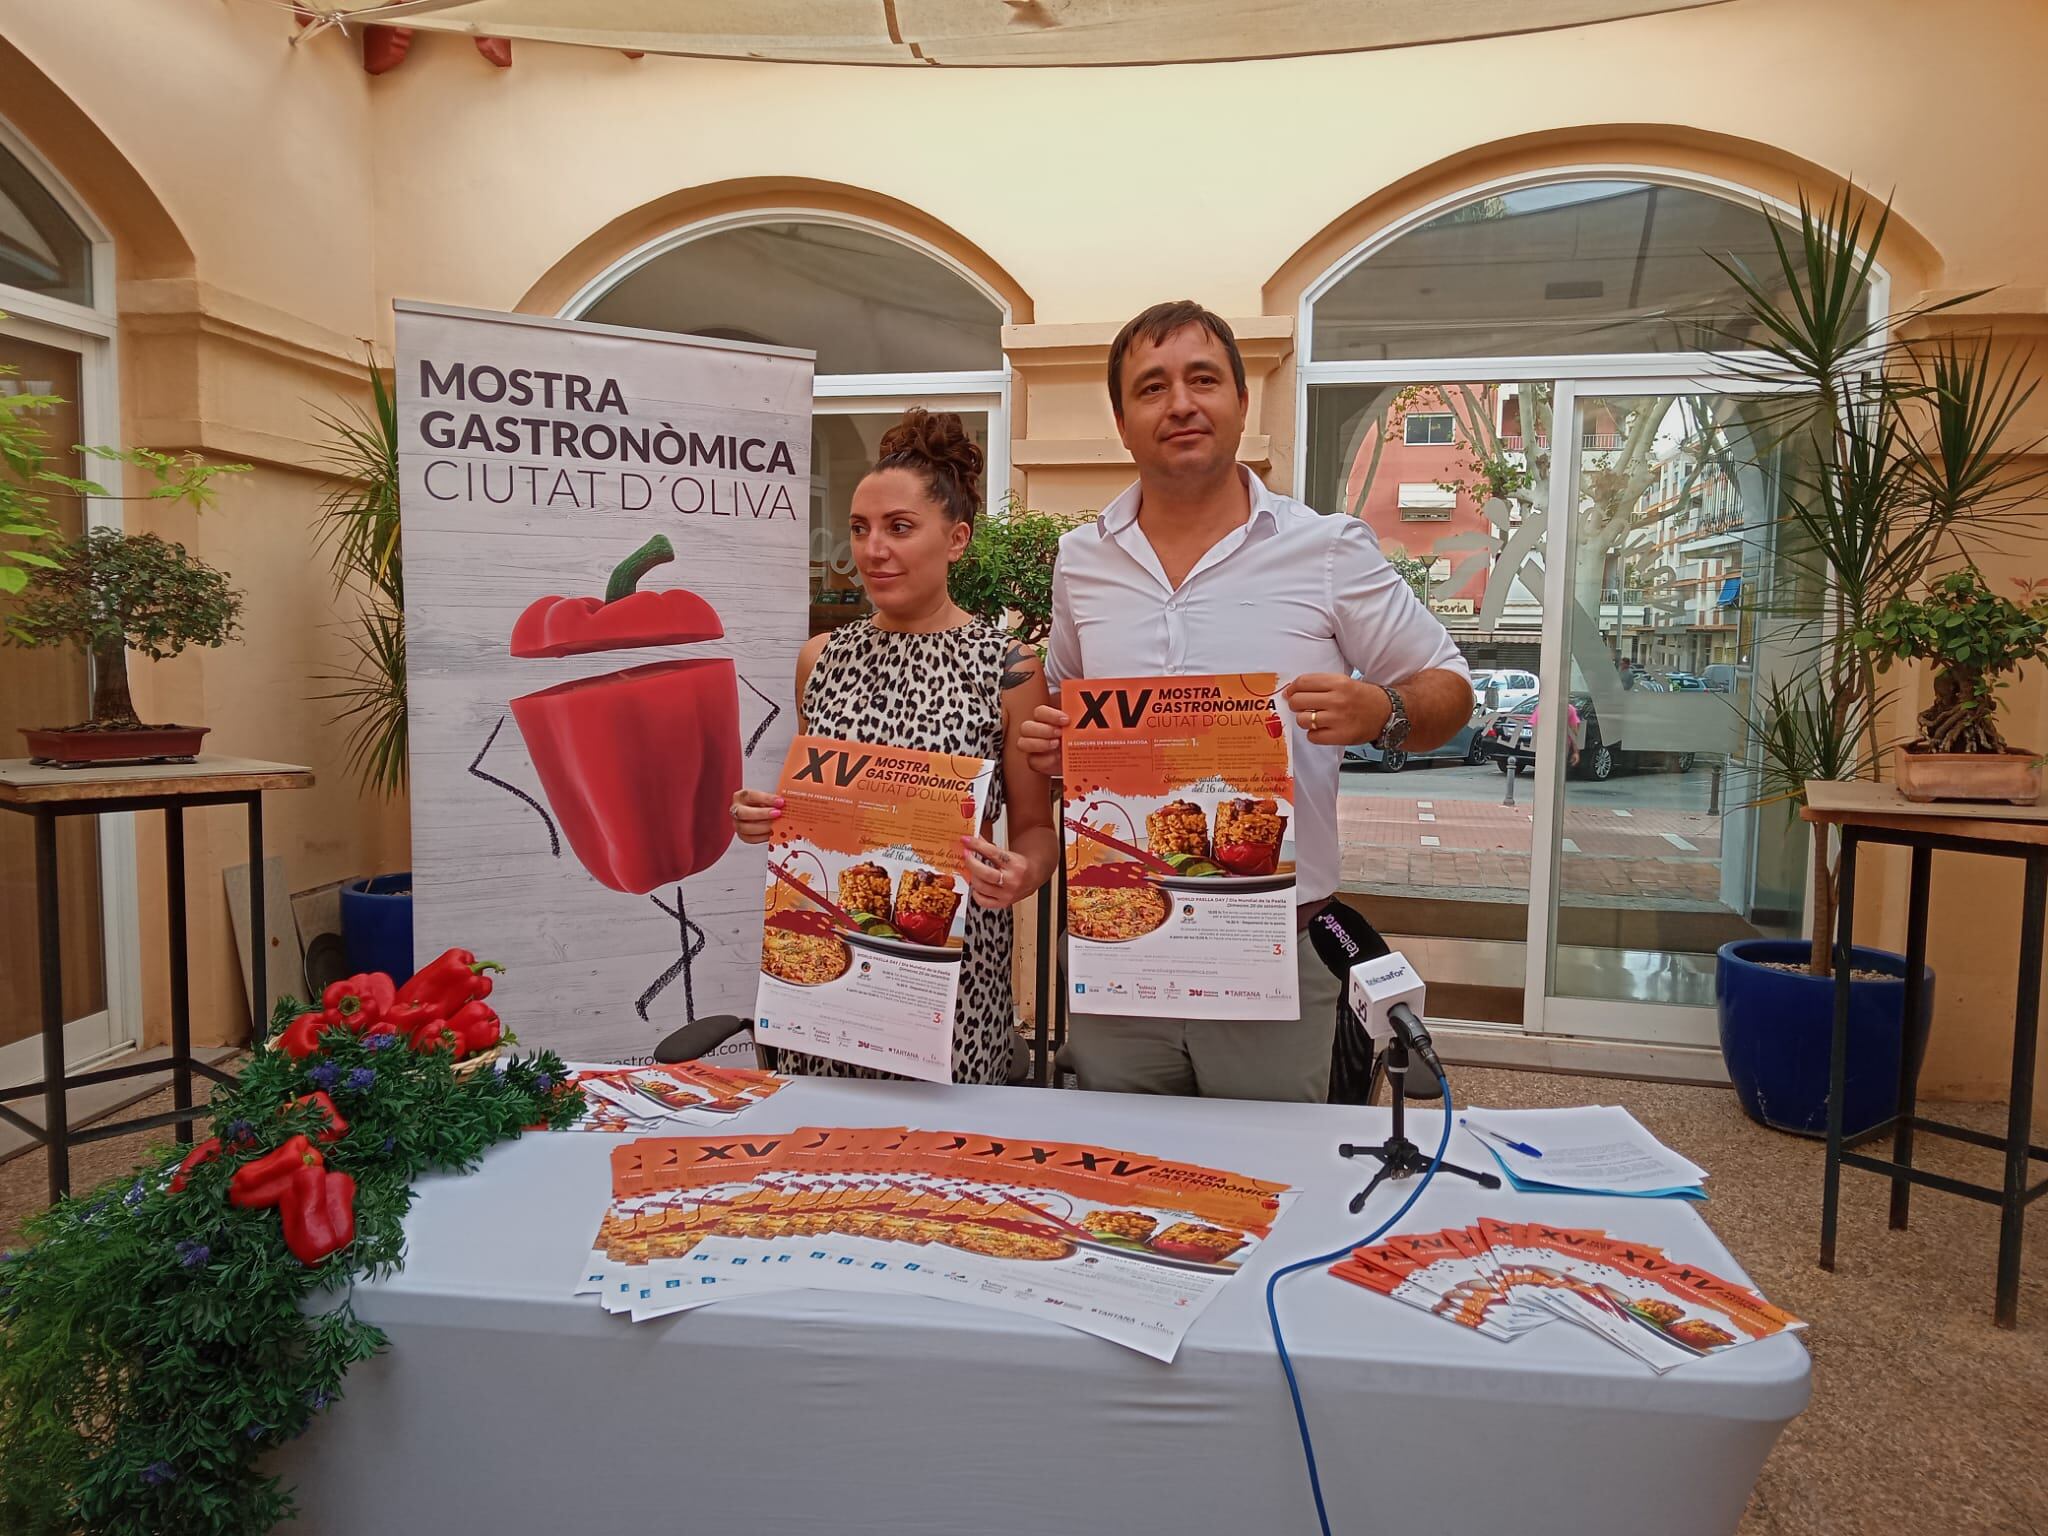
(1600, 1149)
(865, 907)
(1178, 813)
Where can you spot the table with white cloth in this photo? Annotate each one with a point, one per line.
(506, 1404)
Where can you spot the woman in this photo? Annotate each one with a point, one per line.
(1574, 729)
(924, 673)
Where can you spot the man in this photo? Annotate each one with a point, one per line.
(1199, 568)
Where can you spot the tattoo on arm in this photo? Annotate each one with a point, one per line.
(1017, 665)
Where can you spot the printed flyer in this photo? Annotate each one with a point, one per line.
(1179, 807)
(645, 1100)
(1502, 1279)
(1125, 1247)
(862, 941)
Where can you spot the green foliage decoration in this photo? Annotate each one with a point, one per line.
(154, 1346)
(1006, 574)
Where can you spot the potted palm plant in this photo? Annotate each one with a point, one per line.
(1977, 640)
(105, 591)
(1899, 460)
(360, 529)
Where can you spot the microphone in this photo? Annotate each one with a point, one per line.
(1385, 993)
(1342, 937)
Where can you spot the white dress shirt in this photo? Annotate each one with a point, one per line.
(1292, 591)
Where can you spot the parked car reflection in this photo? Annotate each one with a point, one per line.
(1510, 741)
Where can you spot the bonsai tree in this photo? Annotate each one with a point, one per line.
(359, 525)
(106, 591)
(1899, 459)
(1006, 574)
(1976, 639)
(110, 593)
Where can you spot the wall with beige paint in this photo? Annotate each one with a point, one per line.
(310, 195)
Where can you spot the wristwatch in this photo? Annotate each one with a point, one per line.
(1396, 732)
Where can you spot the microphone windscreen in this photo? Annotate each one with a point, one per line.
(1342, 937)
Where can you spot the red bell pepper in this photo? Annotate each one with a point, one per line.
(205, 1152)
(301, 1037)
(262, 1181)
(435, 1035)
(319, 1213)
(623, 619)
(359, 1001)
(478, 1025)
(639, 766)
(336, 1126)
(441, 986)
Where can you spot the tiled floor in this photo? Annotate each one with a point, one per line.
(1925, 1418)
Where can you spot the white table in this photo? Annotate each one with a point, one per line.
(507, 1405)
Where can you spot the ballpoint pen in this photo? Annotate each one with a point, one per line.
(1507, 1141)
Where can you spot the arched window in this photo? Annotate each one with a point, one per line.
(56, 343)
(1525, 393)
(894, 324)
(1565, 269)
(42, 248)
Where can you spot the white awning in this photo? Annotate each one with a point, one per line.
(985, 34)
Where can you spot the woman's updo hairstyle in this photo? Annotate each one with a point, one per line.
(935, 447)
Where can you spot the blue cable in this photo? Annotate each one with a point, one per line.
(1308, 1444)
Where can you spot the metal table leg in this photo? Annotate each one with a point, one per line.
(259, 943)
(1838, 1067)
(181, 981)
(1041, 1034)
(56, 1126)
(1912, 1041)
(2026, 1020)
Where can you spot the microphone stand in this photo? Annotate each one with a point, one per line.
(1398, 1156)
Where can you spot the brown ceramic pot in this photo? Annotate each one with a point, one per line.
(77, 747)
(2013, 775)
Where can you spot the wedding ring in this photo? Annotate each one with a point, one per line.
(1312, 718)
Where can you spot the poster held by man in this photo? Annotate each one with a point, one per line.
(606, 540)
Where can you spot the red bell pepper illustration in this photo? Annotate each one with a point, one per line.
(640, 765)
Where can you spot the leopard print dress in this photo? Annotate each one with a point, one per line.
(937, 692)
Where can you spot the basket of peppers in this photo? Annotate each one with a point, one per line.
(441, 1008)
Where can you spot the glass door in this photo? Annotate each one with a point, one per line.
(845, 434)
(1452, 475)
(49, 687)
(1651, 852)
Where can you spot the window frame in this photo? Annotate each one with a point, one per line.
(92, 332)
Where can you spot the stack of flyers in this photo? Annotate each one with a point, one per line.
(1502, 1278)
(637, 1101)
(1116, 1244)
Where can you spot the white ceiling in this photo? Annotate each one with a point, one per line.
(985, 34)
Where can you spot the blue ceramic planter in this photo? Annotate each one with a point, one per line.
(1776, 1027)
(376, 925)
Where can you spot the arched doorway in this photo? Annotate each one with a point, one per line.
(57, 344)
(1561, 342)
(894, 322)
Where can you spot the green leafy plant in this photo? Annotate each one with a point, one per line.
(359, 524)
(1006, 574)
(155, 1344)
(25, 513)
(109, 592)
(1410, 569)
(1977, 640)
(1899, 459)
